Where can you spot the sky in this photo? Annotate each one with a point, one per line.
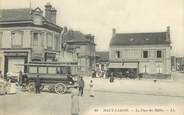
(98, 17)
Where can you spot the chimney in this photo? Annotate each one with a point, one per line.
(168, 34)
(53, 15)
(65, 29)
(50, 13)
(113, 32)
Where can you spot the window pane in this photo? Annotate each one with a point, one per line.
(42, 70)
(32, 69)
(52, 70)
(145, 54)
(16, 39)
(57, 42)
(159, 54)
(118, 54)
(35, 39)
(49, 41)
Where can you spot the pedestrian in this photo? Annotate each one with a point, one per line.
(81, 85)
(112, 77)
(20, 78)
(75, 101)
(91, 89)
(1, 75)
(93, 74)
(127, 74)
(37, 84)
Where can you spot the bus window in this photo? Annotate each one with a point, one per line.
(65, 70)
(52, 70)
(42, 70)
(32, 69)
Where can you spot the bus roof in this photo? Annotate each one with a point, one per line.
(49, 64)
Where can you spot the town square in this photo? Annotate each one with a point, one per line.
(82, 57)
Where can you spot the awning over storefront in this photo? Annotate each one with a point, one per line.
(123, 65)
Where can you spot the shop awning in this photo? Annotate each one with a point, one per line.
(123, 65)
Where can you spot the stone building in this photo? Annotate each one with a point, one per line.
(28, 36)
(85, 49)
(147, 53)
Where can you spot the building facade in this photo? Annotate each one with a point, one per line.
(28, 36)
(102, 63)
(140, 52)
(180, 64)
(85, 49)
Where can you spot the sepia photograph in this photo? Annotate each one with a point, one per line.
(91, 57)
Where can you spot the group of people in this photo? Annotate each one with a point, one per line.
(8, 84)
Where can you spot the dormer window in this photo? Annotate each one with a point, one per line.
(37, 16)
(37, 20)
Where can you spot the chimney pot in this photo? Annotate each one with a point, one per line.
(168, 28)
(168, 33)
(114, 31)
(65, 29)
(50, 13)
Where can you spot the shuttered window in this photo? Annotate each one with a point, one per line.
(16, 39)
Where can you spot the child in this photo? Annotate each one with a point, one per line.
(91, 89)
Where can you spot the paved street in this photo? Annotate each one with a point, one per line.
(53, 104)
(122, 96)
(162, 87)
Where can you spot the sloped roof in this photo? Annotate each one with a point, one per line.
(21, 14)
(74, 36)
(25, 14)
(102, 56)
(139, 38)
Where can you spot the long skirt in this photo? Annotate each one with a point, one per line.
(91, 92)
(75, 105)
(12, 89)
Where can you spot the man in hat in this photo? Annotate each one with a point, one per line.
(81, 86)
(37, 84)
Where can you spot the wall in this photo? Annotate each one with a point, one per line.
(135, 53)
(67, 56)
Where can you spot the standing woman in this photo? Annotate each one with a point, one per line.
(91, 89)
(75, 101)
(1, 75)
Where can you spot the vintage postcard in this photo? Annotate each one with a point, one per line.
(91, 57)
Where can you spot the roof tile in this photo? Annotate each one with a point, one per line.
(139, 38)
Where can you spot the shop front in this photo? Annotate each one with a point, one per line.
(11, 61)
(124, 70)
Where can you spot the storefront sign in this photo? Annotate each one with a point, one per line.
(123, 65)
(15, 54)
